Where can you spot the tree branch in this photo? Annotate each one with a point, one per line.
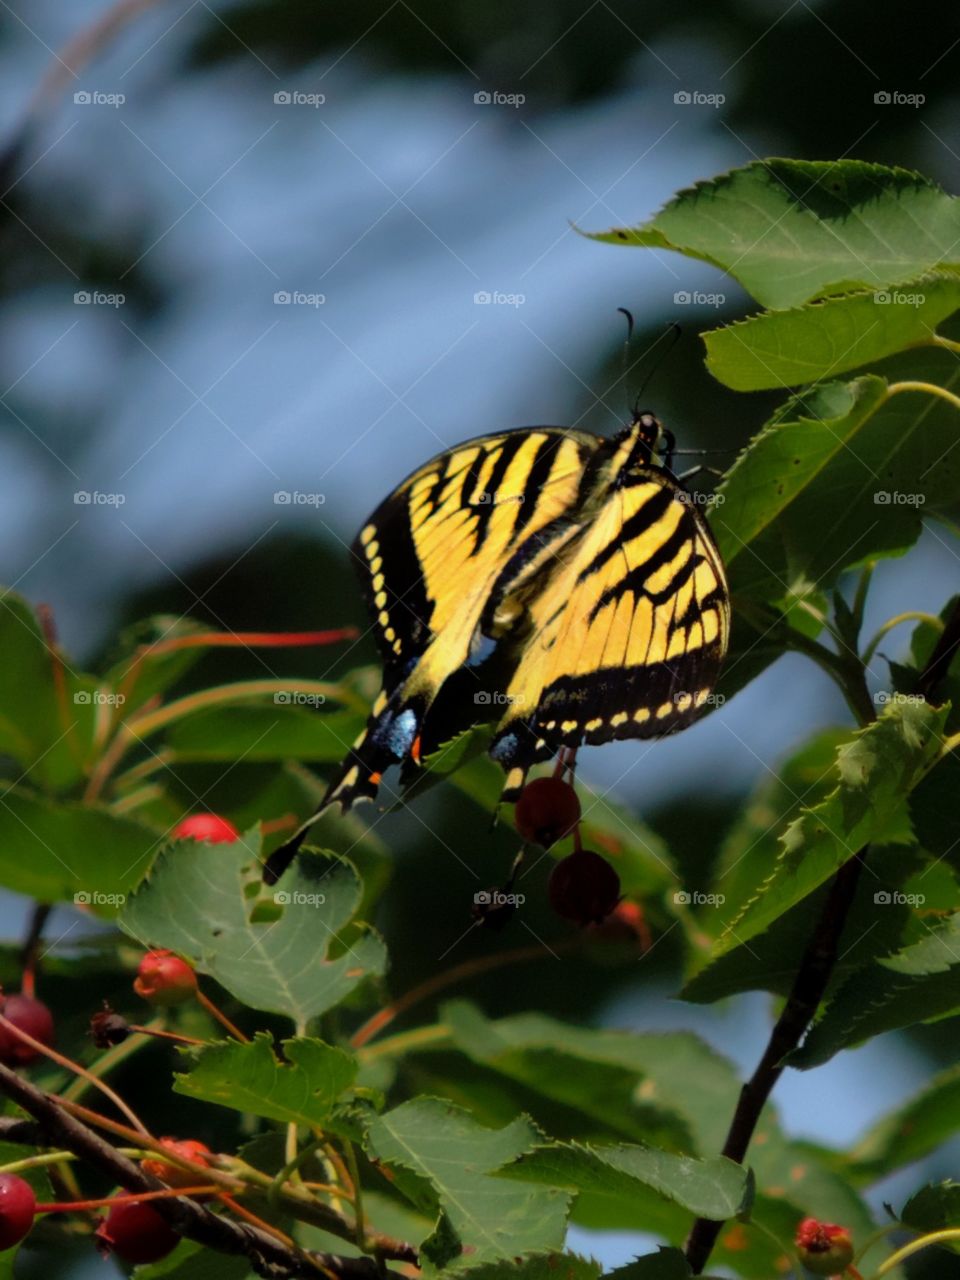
(268, 1256)
(808, 990)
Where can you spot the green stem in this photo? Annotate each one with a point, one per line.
(109, 1060)
(358, 1214)
(925, 388)
(901, 1255)
(911, 615)
(419, 1038)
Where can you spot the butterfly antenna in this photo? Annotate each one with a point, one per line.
(673, 333)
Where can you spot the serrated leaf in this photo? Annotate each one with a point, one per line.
(791, 230)
(293, 951)
(918, 984)
(874, 775)
(823, 339)
(710, 1188)
(449, 1152)
(250, 1078)
(67, 852)
(537, 1266)
(913, 1130)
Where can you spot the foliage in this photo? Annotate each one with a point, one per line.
(468, 1141)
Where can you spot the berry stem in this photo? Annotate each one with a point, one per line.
(922, 1242)
(447, 978)
(86, 1206)
(108, 1060)
(77, 1070)
(206, 1003)
(30, 951)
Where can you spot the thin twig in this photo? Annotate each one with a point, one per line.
(267, 1256)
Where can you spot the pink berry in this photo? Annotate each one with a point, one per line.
(164, 979)
(209, 827)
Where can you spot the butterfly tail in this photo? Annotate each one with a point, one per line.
(391, 735)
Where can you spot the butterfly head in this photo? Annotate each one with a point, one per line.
(650, 441)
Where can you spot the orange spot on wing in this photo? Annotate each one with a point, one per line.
(376, 778)
(415, 749)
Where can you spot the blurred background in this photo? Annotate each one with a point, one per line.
(260, 258)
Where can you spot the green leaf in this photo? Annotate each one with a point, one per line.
(791, 230)
(874, 774)
(294, 951)
(933, 1208)
(537, 1266)
(452, 1158)
(921, 983)
(264, 731)
(139, 672)
(823, 339)
(667, 1264)
(249, 1078)
(911, 1132)
(71, 852)
(669, 1084)
(861, 466)
(50, 735)
(712, 1188)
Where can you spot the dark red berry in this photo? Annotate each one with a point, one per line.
(30, 1016)
(108, 1028)
(209, 827)
(583, 887)
(823, 1247)
(164, 979)
(136, 1233)
(172, 1174)
(546, 811)
(17, 1207)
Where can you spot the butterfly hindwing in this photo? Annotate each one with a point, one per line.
(629, 631)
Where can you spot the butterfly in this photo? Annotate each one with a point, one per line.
(560, 586)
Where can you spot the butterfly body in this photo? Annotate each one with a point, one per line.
(557, 584)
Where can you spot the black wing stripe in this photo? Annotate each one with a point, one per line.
(508, 452)
(652, 510)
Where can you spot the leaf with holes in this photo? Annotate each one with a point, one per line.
(295, 951)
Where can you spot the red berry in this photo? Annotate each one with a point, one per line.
(209, 827)
(164, 979)
(583, 887)
(823, 1247)
(172, 1174)
(546, 811)
(136, 1233)
(30, 1016)
(17, 1207)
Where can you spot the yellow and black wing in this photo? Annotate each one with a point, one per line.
(430, 558)
(627, 633)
